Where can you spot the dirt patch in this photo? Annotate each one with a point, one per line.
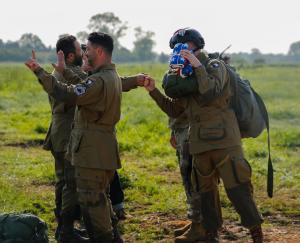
(231, 232)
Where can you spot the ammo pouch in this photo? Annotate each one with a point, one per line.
(176, 86)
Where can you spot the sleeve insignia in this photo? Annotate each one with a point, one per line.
(79, 89)
(89, 82)
(215, 65)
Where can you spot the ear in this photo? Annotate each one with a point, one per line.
(70, 57)
(99, 51)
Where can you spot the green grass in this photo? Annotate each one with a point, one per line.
(150, 174)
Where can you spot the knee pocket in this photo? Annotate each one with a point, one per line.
(241, 170)
(88, 198)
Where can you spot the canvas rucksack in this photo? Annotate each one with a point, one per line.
(22, 228)
(252, 115)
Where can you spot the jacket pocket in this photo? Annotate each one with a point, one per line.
(213, 129)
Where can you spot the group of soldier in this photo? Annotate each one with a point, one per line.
(85, 96)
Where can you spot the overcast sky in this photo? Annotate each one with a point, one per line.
(269, 25)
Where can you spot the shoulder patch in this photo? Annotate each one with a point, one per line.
(89, 82)
(79, 89)
(215, 65)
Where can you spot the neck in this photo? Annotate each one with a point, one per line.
(101, 63)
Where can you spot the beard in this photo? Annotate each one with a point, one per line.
(78, 61)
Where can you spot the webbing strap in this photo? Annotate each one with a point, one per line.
(270, 178)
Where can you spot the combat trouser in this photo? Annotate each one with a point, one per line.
(185, 163)
(59, 180)
(92, 185)
(230, 165)
(116, 193)
(66, 202)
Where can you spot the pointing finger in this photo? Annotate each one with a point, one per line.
(33, 54)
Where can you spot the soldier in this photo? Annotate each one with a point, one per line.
(214, 142)
(67, 208)
(57, 141)
(93, 146)
(179, 140)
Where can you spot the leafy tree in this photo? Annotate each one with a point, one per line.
(109, 23)
(163, 57)
(82, 36)
(294, 49)
(143, 46)
(29, 40)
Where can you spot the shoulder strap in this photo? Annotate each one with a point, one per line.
(263, 109)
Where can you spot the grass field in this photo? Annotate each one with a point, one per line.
(154, 195)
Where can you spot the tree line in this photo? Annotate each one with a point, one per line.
(143, 45)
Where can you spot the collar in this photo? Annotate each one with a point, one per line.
(110, 66)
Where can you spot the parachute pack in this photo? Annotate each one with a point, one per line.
(250, 110)
(251, 114)
(22, 228)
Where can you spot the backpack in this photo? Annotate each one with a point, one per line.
(251, 114)
(22, 228)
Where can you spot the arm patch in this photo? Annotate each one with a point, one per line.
(79, 89)
(89, 83)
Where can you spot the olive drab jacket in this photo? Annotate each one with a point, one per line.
(212, 122)
(59, 131)
(93, 142)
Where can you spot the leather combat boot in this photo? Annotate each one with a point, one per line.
(195, 233)
(116, 234)
(257, 234)
(67, 233)
(182, 230)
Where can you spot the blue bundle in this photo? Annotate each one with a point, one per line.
(178, 63)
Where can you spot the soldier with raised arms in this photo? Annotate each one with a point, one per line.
(93, 145)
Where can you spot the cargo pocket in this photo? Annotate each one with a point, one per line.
(212, 129)
(241, 170)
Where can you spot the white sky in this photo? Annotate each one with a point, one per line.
(269, 25)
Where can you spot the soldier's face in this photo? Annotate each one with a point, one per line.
(191, 45)
(91, 53)
(78, 54)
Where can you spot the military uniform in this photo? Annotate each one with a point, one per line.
(56, 141)
(93, 146)
(215, 144)
(179, 129)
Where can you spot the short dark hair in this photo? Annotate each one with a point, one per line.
(66, 44)
(102, 39)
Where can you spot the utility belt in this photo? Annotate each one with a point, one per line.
(94, 126)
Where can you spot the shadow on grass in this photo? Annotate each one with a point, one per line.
(27, 143)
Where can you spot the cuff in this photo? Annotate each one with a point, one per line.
(39, 71)
(155, 93)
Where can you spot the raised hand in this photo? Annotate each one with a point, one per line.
(32, 63)
(86, 67)
(191, 58)
(173, 141)
(60, 65)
